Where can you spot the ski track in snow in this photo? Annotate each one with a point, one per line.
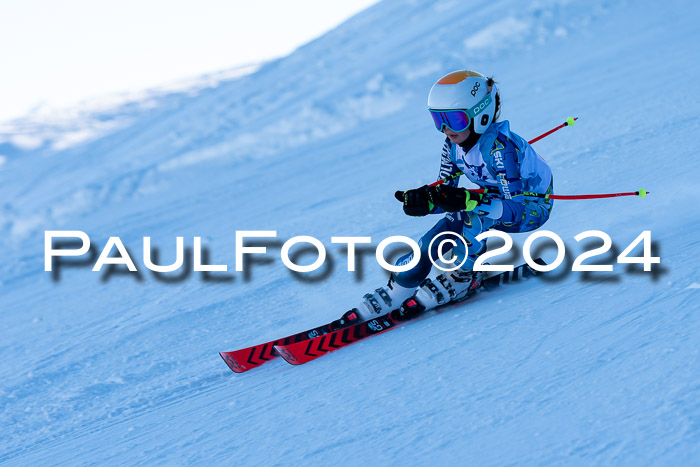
(577, 370)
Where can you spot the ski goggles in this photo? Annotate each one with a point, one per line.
(458, 120)
(455, 120)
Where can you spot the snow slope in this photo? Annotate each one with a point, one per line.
(598, 368)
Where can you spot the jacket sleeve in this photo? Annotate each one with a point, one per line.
(447, 165)
(509, 204)
(447, 168)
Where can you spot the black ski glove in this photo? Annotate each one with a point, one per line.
(452, 199)
(416, 202)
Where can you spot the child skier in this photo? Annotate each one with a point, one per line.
(465, 106)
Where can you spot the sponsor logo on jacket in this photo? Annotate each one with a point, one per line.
(504, 184)
(498, 158)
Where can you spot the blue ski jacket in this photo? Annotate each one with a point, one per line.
(504, 161)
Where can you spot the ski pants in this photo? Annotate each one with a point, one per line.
(468, 225)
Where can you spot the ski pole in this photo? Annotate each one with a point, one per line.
(641, 193)
(569, 122)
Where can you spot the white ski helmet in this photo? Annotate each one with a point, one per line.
(467, 91)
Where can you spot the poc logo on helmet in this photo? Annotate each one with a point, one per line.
(475, 89)
(481, 106)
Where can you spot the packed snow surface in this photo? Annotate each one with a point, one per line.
(578, 368)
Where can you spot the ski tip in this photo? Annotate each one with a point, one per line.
(571, 121)
(231, 362)
(286, 355)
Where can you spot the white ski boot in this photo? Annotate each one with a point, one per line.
(447, 287)
(383, 300)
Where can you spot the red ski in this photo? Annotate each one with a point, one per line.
(297, 353)
(252, 357)
(301, 352)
